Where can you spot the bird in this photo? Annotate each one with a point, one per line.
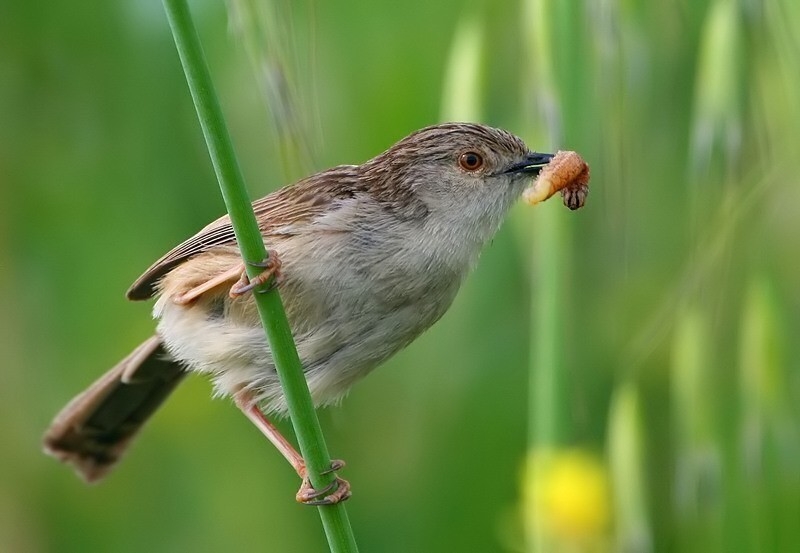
(365, 257)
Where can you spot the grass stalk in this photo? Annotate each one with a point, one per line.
(548, 395)
(287, 363)
(626, 449)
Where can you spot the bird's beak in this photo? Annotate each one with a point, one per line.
(531, 165)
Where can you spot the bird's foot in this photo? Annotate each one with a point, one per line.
(272, 268)
(335, 492)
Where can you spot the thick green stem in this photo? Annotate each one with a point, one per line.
(548, 379)
(273, 317)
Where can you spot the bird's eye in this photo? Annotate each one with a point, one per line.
(470, 161)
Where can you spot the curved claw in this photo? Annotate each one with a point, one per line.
(336, 464)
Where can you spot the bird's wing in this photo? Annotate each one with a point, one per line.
(283, 212)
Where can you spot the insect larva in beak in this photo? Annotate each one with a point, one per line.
(567, 173)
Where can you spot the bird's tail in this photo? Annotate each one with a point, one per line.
(96, 427)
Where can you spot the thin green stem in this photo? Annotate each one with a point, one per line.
(273, 317)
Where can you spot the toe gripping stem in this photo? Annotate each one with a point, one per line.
(271, 267)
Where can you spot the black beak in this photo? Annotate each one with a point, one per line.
(531, 165)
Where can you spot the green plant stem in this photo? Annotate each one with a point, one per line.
(273, 317)
(547, 392)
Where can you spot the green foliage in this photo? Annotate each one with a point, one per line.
(676, 285)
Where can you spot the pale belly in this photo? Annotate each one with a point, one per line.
(343, 327)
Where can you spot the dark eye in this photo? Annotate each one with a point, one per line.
(470, 161)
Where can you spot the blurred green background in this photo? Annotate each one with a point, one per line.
(622, 378)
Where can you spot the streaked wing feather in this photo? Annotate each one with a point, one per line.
(291, 206)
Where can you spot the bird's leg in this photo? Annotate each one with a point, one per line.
(337, 491)
(271, 266)
(187, 297)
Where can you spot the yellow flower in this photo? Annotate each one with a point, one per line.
(567, 497)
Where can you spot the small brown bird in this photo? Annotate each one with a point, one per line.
(370, 256)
